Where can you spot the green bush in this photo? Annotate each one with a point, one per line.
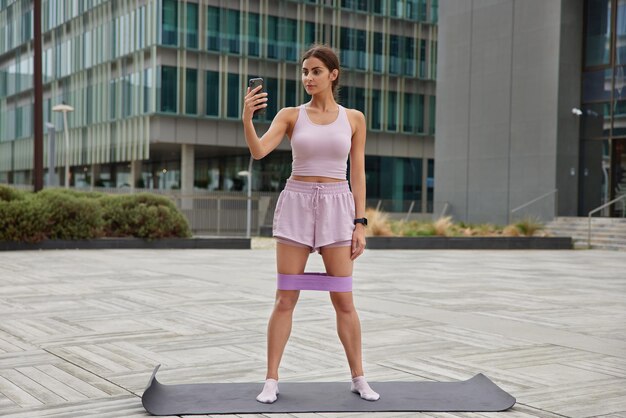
(68, 214)
(9, 194)
(143, 215)
(21, 220)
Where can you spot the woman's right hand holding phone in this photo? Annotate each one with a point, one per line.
(253, 101)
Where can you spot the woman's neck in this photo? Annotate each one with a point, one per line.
(325, 102)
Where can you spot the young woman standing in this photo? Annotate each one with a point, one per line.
(316, 211)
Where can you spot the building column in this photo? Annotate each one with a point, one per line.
(135, 173)
(186, 174)
(95, 172)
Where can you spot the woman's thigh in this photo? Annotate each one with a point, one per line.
(291, 259)
(337, 261)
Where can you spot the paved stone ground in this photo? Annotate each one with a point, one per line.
(81, 331)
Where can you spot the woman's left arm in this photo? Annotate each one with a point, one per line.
(357, 180)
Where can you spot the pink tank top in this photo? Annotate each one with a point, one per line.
(321, 150)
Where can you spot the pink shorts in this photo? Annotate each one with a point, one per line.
(314, 215)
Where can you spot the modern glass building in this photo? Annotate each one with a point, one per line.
(157, 87)
(603, 119)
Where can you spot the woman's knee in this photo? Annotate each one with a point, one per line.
(286, 302)
(343, 303)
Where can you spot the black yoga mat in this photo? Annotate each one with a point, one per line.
(478, 394)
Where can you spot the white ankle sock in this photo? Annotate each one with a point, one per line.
(360, 386)
(269, 393)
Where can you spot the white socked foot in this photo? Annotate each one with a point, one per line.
(360, 386)
(269, 393)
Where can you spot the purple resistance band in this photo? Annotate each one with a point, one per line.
(314, 281)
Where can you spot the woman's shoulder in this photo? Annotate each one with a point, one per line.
(290, 113)
(355, 115)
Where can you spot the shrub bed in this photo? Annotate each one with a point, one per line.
(71, 215)
(379, 224)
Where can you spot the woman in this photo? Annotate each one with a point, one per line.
(316, 211)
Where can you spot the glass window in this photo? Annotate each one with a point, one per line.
(126, 97)
(290, 39)
(112, 99)
(395, 182)
(598, 32)
(232, 32)
(212, 93)
(18, 122)
(411, 9)
(272, 37)
(409, 56)
(409, 119)
(213, 29)
(395, 8)
(191, 92)
(169, 76)
(395, 58)
(254, 23)
(392, 111)
(597, 85)
(345, 96)
(620, 33)
(147, 88)
(272, 91)
(420, 113)
(232, 110)
(378, 6)
(430, 185)
(619, 118)
(309, 33)
(379, 60)
(192, 25)
(422, 64)
(359, 99)
(346, 43)
(361, 49)
(434, 10)
(432, 106)
(376, 113)
(290, 93)
(170, 22)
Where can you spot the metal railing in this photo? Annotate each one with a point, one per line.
(554, 192)
(599, 208)
(444, 210)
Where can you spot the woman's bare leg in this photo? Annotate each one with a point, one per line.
(338, 263)
(290, 260)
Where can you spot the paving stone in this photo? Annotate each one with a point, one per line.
(81, 331)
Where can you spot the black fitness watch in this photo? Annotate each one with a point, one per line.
(361, 221)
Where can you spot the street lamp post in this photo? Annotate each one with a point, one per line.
(64, 109)
(51, 155)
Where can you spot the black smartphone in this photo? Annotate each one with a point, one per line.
(254, 83)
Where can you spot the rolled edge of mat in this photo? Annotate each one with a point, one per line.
(508, 404)
(153, 384)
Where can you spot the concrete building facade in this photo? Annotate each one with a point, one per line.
(509, 78)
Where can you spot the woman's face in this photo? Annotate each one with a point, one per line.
(316, 77)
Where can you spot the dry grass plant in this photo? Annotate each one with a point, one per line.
(377, 223)
(444, 227)
(529, 226)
